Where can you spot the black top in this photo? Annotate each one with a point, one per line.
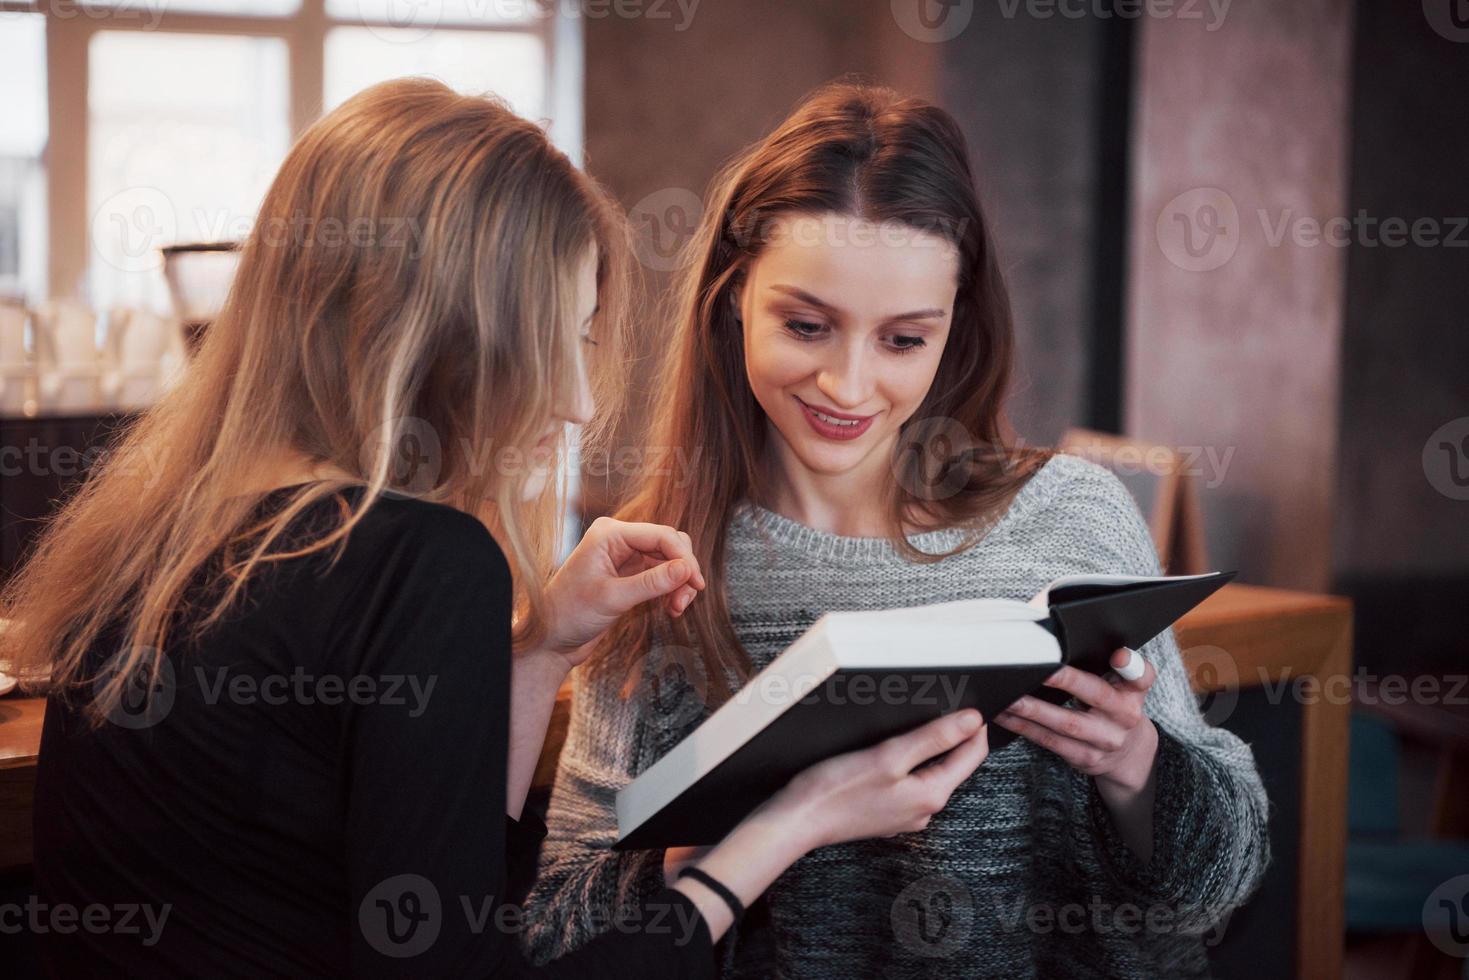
(318, 786)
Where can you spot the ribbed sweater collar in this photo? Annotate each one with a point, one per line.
(807, 540)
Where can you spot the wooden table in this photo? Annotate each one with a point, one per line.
(1239, 638)
(1257, 635)
(20, 743)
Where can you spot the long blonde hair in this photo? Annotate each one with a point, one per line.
(410, 281)
(850, 149)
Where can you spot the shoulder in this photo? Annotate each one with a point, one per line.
(413, 547)
(1084, 511)
(1069, 478)
(421, 527)
(423, 586)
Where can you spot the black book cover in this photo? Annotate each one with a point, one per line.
(1092, 621)
(847, 712)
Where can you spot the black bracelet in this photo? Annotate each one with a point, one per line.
(708, 881)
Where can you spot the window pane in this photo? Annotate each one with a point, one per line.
(22, 138)
(149, 12)
(186, 132)
(426, 14)
(509, 64)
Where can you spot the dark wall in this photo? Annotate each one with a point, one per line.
(1233, 330)
(1401, 542)
(1042, 102)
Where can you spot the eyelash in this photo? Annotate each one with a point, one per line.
(588, 340)
(795, 329)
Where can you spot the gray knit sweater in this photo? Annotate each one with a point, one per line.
(1024, 873)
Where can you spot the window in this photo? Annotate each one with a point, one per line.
(185, 132)
(185, 110)
(22, 142)
(248, 8)
(510, 64)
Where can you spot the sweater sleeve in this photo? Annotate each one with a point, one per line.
(1210, 841)
(431, 856)
(584, 887)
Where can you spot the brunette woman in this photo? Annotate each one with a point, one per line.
(839, 359)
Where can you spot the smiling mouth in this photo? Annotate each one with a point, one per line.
(833, 426)
(833, 420)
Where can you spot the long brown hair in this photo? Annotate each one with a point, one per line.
(860, 151)
(409, 285)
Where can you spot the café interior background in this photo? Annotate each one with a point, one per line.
(1236, 227)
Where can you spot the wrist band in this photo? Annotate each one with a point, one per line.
(709, 882)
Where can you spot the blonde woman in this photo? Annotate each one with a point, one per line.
(301, 630)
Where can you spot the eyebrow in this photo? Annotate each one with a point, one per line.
(805, 297)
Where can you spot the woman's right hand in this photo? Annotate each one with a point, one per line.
(876, 792)
(615, 567)
(887, 789)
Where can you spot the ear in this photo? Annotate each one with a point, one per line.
(737, 299)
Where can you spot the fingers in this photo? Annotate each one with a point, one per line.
(1133, 669)
(1086, 727)
(947, 773)
(1075, 753)
(912, 749)
(653, 561)
(1119, 697)
(625, 537)
(1087, 688)
(660, 580)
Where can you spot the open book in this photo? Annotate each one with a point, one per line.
(856, 678)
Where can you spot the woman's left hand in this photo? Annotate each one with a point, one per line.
(1108, 737)
(615, 567)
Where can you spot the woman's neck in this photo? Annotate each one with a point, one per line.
(288, 468)
(852, 503)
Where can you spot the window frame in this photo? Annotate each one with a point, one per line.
(69, 30)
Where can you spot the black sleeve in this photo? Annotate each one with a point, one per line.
(428, 842)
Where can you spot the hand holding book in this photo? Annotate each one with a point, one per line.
(1107, 736)
(1099, 736)
(891, 788)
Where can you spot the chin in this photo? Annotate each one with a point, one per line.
(825, 457)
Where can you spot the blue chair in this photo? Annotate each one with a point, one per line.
(1392, 873)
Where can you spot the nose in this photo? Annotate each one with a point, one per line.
(577, 405)
(846, 379)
